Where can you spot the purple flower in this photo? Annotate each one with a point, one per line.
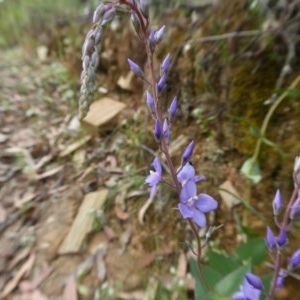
(294, 261)
(277, 204)
(247, 292)
(195, 206)
(162, 83)
(158, 131)
(144, 8)
(136, 23)
(159, 34)
(172, 109)
(282, 238)
(254, 280)
(295, 209)
(280, 279)
(155, 176)
(152, 40)
(166, 131)
(187, 173)
(135, 68)
(270, 239)
(165, 66)
(188, 152)
(150, 103)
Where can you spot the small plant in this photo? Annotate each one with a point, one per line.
(222, 279)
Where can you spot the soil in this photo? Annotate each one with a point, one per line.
(41, 189)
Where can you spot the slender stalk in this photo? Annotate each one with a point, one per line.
(278, 259)
(268, 117)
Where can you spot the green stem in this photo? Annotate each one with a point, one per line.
(268, 117)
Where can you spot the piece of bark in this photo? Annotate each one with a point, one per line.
(83, 222)
(102, 111)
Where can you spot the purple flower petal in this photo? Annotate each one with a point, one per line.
(186, 173)
(270, 239)
(185, 211)
(199, 218)
(254, 280)
(188, 191)
(206, 203)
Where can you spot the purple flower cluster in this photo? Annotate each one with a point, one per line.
(252, 286)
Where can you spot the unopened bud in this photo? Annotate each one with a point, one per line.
(135, 68)
(165, 66)
(144, 8)
(294, 261)
(136, 23)
(270, 239)
(162, 83)
(158, 131)
(172, 109)
(277, 204)
(108, 16)
(254, 280)
(99, 12)
(159, 34)
(150, 103)
(187, 153)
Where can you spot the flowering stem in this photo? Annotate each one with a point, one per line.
(278, 259)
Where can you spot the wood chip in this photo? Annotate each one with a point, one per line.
(103, 111)
(83, 222)
(73, 147)
(25, 269)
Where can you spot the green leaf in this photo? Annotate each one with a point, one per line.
(255, 132)
(231, 283)
(222, 263)
(254, 251)
(211, 277)
(251, 170)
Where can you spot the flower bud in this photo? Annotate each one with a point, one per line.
(294, 261)
(282, 238)
(135, 68)
(162, 83)
(165, 66)
(88, 47)
(108, 16)
(99, 12)
(144, 8)
(150, 103)
(166, 131)
(295, 209)
(136, 23)
(254, 280)
(280, 279)
(172, 109)
(159, 34)
(270, 239)
(158, 131)
(187, 153)
(277, 204)
(152, 40)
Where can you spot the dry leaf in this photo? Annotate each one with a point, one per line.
(143, 210)
(70, 290)
(229, 194)
(122, 215)
(25, 269)
(20, 256)
(73, 147)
